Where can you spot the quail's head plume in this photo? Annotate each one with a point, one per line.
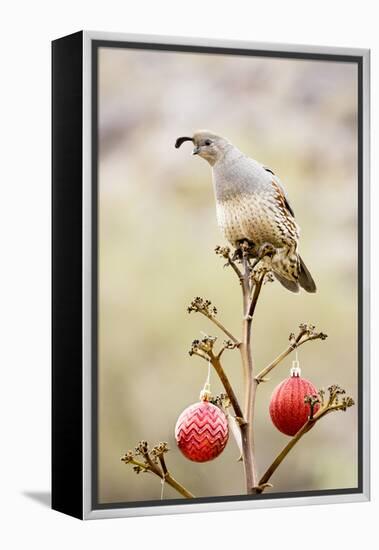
(252, 205)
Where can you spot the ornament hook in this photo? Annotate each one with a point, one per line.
(295, 369)
(205, 393)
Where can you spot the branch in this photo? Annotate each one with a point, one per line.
(229, 334)
(228, 344)
(254, 300)
(281, 456)
(228, 388)
(334, 403)
(247, 434)
(199, 305)
(178, 486)
(251, 280)
(171, 480)
(306, 334)
(153, 461)
(204, 349)
(224, 251)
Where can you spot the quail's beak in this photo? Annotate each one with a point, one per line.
(196, 150)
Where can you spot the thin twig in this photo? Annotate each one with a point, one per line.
(143, 467)
(260, 377)
(224, 251)
(165, 474)
(204, 349)
(216, 363)
(282, 455)
(171, 480)
(178, 486)
(296, 343)
(205, 307)
(257, 290)
(225, 330)
(150, 464)
(162, 463)
(235, 269)
(154, 463)
(227, 345)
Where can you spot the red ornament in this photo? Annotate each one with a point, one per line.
(202, 431)
(287, 408)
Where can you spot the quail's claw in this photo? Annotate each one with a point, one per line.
(237, 255)
(265, 250)
(246, 248)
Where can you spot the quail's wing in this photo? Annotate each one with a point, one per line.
(281, 191)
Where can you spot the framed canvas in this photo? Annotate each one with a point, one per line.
(209, 197)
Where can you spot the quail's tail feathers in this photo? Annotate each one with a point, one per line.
(293, 286)
(305, 279)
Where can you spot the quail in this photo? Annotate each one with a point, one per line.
(252, 205)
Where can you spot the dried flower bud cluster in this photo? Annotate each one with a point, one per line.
(204, 345)
(128, 457)
(221, 401)
(142, 458)
(310, 331)
(228, 344)
(312, 401)
(336, 402)
(223, 251)
(307, 331)
(158, 451)
(200, 305)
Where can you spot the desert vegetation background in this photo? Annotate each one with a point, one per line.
(157, 232)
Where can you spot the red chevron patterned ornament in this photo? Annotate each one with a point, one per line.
(202, 431)
(288, 410)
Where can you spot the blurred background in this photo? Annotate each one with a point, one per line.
(157, 233)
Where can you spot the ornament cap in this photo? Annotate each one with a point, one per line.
(205, 393)
(295, 369)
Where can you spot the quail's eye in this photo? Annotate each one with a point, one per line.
(207, 142)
